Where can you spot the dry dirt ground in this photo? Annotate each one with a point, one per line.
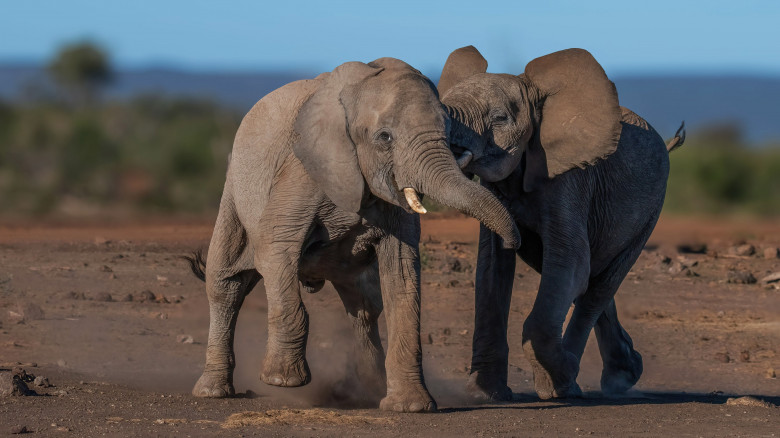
(117, 324)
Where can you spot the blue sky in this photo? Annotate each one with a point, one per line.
(659, 36)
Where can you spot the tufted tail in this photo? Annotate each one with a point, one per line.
(678, 140)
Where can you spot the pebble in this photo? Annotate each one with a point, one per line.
(185, 339)
(723, 357)
(13, 385)
(741, 277)
(26, 312)
(770, 373)
(771, 253)
(771, 278)
(42, 382)
(743, 250)
(103, 296)
(692, 248)
(18, 429)
(455, 264)
(146, 295)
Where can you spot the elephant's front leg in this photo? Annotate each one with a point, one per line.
(362, 298)
(492, 296)
(288, 324)
(399, 270)
(565, 272)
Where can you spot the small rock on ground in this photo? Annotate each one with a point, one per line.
(12, 385)
(18, 429)
(42, 382)
(743, 250)
(772, 253)
(741, 277)
(185, 339)
(771, 278)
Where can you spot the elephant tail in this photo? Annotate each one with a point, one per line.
(678, 140)
(197, 264)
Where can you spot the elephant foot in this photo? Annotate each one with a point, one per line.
(485, 386)
(411, 400)
(212, 385)
(545, 385)
(280, 372)
(619, 378)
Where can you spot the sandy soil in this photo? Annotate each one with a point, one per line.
(116, 322)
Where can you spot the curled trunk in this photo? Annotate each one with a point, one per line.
(442, 180)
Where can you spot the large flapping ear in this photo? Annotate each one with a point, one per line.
(323, 144)
(462, 63)
(580, 114)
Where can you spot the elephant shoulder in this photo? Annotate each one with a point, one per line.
(269, 123)
(282, 103)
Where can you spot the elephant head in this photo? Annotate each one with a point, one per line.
(378, 130)
(562, 113)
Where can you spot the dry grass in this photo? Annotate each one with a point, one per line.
(749, 401)
(292, 417)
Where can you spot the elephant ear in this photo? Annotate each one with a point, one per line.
(462, 63)
(323, 144)
(580, 114)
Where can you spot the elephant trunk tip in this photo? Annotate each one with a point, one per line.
(464, 159)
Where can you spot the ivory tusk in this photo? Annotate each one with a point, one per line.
(414, 201)
(464, 159)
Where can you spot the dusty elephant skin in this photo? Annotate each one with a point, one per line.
(585, 180)
(321, 186)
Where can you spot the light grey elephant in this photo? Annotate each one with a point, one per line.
(585, 180)
(322, 185)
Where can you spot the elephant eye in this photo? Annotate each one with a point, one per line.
(499, 117)
(383, 136)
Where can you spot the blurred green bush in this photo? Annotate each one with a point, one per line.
(146, 154)
(721, 175)
(157, 154)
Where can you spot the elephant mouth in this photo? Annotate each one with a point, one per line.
(407, 195)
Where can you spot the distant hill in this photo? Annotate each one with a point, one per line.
(749, 103)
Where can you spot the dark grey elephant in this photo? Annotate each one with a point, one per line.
(585, 181)
(322, 185)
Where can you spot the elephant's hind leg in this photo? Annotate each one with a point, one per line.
(622, 364)
(362, 298)
(229, 278)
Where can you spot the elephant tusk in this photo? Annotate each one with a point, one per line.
(465, 159)
(414, 201)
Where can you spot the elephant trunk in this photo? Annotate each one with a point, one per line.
(441, 179)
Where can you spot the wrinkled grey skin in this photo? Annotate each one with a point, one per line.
(585, 181)
(313, 193)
